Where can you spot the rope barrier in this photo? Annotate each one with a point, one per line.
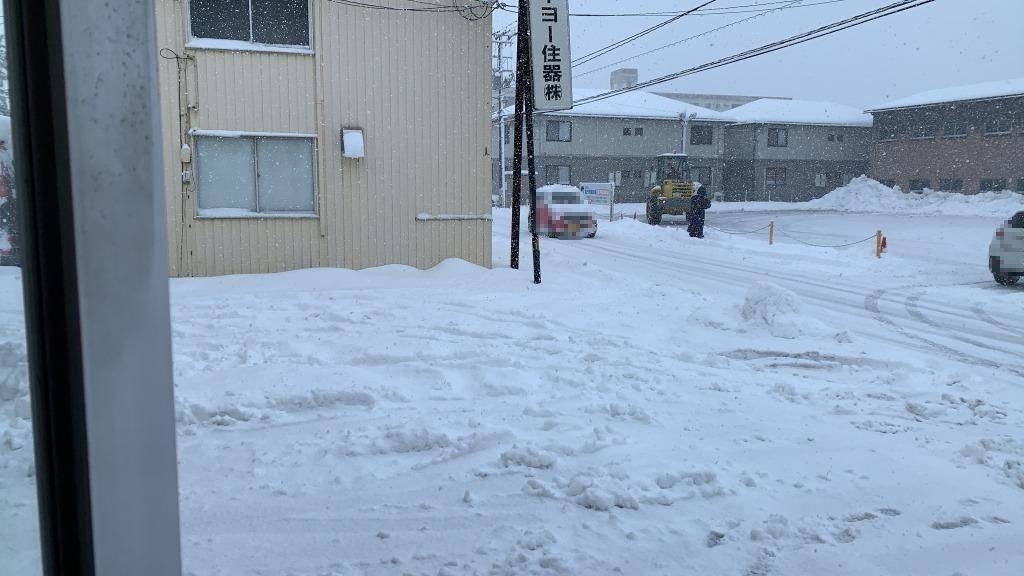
(773, 229)
(872, 237)
(739, 232)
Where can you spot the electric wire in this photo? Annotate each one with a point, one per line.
(860, 19)
(789, 3)
(620, 43)
(717, 11)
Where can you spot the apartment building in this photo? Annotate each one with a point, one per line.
(619, 138)
(793, 150)
(966, 139)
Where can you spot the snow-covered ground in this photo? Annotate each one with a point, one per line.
(659, 405)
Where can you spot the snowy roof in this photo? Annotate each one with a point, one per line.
(635, 104)
(775, 111)
(984, 90)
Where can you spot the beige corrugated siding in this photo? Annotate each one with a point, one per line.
(418, 86)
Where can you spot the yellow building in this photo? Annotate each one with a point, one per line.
(255, 96)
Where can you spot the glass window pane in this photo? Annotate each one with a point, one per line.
(565, 131)
(19, 521)
(227, 178)
(285, 167)
(281, 22)
(221, 19)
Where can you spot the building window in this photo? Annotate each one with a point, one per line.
(951, 184)
(262, 22)
(919, 185)
(922, 131)
(701, 174)
(839, 137)
(831, 137)
(250, 175)
(559, 131)
(508, 133)
(888, 183)
(998, 126)
(954, 129)
(887, 133)
(774, 176)
(993, 184)
(557, 174)
(701, 135)
(638, 131)
(1020, 185)
(638, 174)
(778, 137)
(627, 131)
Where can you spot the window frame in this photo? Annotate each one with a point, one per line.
(775, 182)
(557, 168)
(983, 188)
(785, 137)
(106, 481)
(930, 135)
(193, 42)
(196, 134)
(558, 137)
(966, 125)
(1009, 126)
(711, 134)
(638, 131)
(951, 184)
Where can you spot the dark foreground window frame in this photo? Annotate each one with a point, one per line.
(106, 479)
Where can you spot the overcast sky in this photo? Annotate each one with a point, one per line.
(945, 43)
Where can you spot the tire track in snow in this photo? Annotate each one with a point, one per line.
(986, 317)
(871, 304)
(913, 309)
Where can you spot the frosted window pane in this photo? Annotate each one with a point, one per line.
(222, 19)
(226, 175)
(285, 174)
(281, 22)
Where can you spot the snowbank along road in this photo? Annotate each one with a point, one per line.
(660, 405)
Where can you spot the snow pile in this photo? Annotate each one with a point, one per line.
(863, 194)
(15, 408)
(779, 311)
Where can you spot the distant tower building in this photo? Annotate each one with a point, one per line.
(623, 78)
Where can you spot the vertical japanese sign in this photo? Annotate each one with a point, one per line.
(549, 47)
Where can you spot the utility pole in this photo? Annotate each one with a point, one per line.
(524, 115)
(522, 84)
(501, 40)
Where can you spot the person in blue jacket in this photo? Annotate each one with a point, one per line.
(698, 204)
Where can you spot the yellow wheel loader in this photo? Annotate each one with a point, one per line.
(672, 190)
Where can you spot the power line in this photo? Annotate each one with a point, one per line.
(467, 11)
(826, 30)
(619, 43)
(716, 11)
(789, 4)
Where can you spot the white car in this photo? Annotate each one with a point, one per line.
(1006, 251)
(562, 213)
